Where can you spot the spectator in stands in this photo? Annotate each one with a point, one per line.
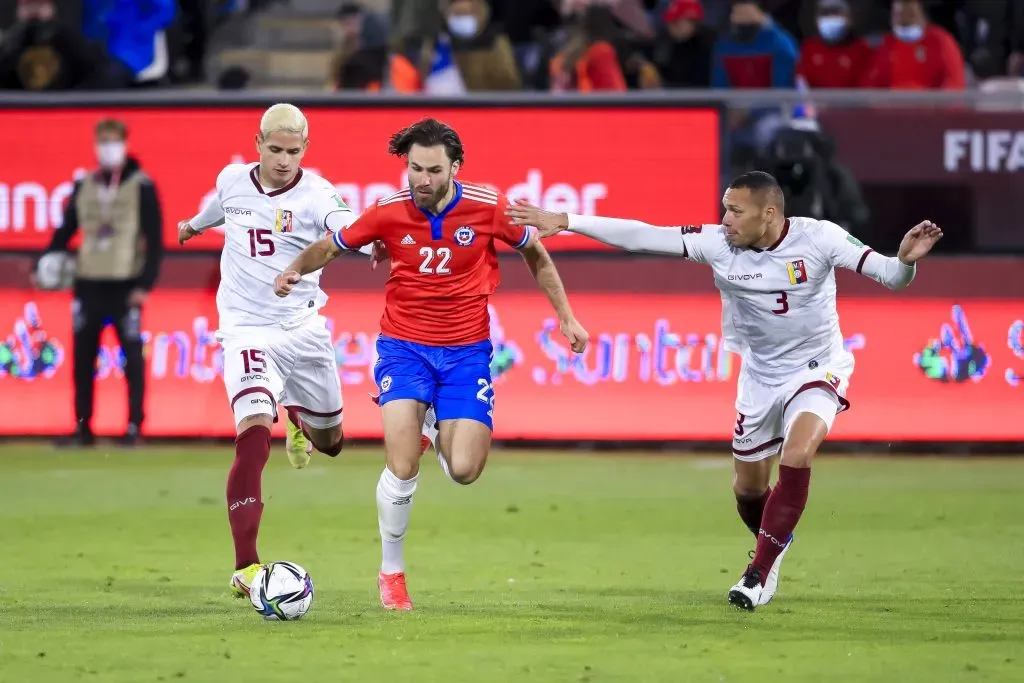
(682, 51)
(528, 24)
(589, 62)
(917, 55)
(836, 57)
(982, 29)
(756, 53)
(482, 51)
(133, 33)
(39, 52)
(361, 53)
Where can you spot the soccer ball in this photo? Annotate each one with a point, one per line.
(281, 591)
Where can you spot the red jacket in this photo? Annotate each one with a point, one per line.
(932, 63)
(827, 65)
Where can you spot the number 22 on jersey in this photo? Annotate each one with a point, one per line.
(435, 261)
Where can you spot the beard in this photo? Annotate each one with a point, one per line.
(425, 202)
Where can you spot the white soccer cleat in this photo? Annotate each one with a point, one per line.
(771, 584)
(747, 593)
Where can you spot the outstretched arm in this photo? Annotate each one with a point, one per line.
(895, 272)
(546, 274)
(635, 236)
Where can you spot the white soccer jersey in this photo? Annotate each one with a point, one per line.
(264, 230)
(779, 304)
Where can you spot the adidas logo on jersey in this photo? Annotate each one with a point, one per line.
(408, 240)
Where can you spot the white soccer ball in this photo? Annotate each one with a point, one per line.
(281, 591)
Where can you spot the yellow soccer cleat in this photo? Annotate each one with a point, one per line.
(297, 445)
(242, 579)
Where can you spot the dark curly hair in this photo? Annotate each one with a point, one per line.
(427, 133)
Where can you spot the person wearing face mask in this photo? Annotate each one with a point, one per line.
(480, 48)
(756, 53)
(116, 212)
(682, 52)
(917, 55)
(41, 53)
(835, 58)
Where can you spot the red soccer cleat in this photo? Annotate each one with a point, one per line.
(393, 593)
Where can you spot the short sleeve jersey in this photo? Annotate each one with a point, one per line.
(264, 230)
(444, 266)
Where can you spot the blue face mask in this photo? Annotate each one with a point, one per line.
(909, 34)
(832, 28)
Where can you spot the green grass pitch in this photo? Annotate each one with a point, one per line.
(553, 567)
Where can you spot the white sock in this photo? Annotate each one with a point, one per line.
(394, 505)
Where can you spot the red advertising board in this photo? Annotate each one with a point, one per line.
(658, 163)
(928, 369)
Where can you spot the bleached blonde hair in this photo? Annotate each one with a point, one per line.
(284, 117)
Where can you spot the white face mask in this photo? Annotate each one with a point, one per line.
(463, 25)
(110, 154)
(910, 34)
(831, 28)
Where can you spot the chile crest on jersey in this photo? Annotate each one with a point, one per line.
(464, 236)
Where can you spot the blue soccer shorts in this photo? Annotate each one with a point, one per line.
(455, 379)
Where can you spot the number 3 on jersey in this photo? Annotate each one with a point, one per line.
(435, 262)
(782, 302)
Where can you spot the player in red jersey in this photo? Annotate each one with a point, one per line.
(434, 348)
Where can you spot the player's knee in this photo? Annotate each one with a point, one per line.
(798, 453)
(258, 420)
(746, 492)
(329, 441)
(404, 469)
(465, 471)
(334, 449)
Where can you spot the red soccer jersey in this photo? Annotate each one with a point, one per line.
(443, 267)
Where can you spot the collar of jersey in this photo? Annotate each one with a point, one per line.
(437, 218)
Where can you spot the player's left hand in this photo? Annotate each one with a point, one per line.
(919, 241)
(380, 254)
(576, 334)
(548, 223)
(137, 297)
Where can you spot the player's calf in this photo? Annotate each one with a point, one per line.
(750, 486)
(244, 487)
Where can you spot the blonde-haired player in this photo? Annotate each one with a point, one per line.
(277, 352)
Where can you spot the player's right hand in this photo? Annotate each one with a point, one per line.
(284, 282)
(185, 232)
(548, 223)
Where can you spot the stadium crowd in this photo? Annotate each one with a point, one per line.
(452, 46)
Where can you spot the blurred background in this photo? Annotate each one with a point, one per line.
(872, 113)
